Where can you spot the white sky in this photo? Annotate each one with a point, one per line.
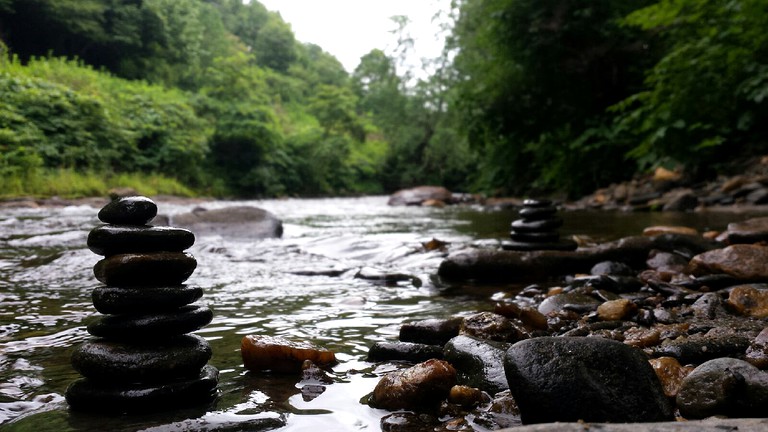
(349, 29)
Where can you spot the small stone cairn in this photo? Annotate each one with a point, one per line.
(537, 229)
(143, 358)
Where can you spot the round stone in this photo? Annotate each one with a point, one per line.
(521, 225)
(562, 245)
(152, 326)
(133, 210)
(147, 269)
(537, 202)
(180, 357)
(537, 213)
(119, 239)
(139, 300)
(535, 237)
(108, 397)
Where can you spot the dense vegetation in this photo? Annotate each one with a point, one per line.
(217, 97)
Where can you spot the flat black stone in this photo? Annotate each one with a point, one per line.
(105, 397)
(152, 326)
(146, 269)
(408, 351)
(180, 357)
(537, 203)
(521, 225)
(562, 245)
(139, 300)
(119, 239)
(134, 210)
(537, 213)
(535, 237)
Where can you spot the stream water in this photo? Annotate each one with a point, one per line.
(254, 287)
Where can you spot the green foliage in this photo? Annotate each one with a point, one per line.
(705, 97)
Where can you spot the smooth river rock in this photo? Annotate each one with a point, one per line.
(281, 355)
(749, 231)
(418, 195)
(120, 239)
(509, 266)
(180, 357)
(141, 300)
(145, 269)
(431, 331)
(407, 351)
(108, 397)
(724, 386)
(420, 388)
(479, 363)
(579, 378)
(237, 223)
(131, 210)
(152, 326)
(747, 263)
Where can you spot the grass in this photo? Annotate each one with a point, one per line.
(68, 183)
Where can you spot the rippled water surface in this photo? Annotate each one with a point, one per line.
(257, 287)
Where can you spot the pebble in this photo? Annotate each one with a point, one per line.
(408, 351)
(615, 310)
(700, 348)
(132, 210)
(418, 388)
(465, 396)
(491, 326)
(749, 300)
(480, 363)
(757, 353)
(670, 373)
(667, 229)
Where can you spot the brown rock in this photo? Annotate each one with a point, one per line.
(662, 174)
(757, 353)
(616, 310)
(433, 203)
(669, 229)
(465, 396)
(670, 374)
(748, 231)
(744, 262)
(491, 326)
(417, 388)
(281, 355)
(642, 337)
(749, 300)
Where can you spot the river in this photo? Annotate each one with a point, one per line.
(254, 288)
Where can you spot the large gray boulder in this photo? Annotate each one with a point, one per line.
(240, 222)
(565, 379)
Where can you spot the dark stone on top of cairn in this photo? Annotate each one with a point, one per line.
(537, 228)
(111, 240)
(145, 360)
(133, 210)
(141, 300)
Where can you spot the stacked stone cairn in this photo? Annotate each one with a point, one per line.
(537, 229)
(143, 357)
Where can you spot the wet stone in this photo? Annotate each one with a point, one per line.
(530, 202)
(148, 269)
(465, 396)
(108, 397)
(757, 353)
(562, 245)
(142, 300)
(110, 240)
(281, 355)
(133, 210)
(749, 300)
(555, 378)
(479, 363)
(700, 348)
(616, 310)
(521, 226)
(670, 373)
(745, 262)
(570, 300)
(537, 213)
(431, 331)
(724, 386)
(152, 326)
(611, 268)
(419, 388)
(491, 326)
(535, 237)
(408, 351)
(181, 357)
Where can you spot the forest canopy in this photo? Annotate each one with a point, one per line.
(529, 96)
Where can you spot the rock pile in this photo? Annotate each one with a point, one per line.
(144, 358)
(537, 228)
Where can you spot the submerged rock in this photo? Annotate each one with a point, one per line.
(239, 222)
(569, 379)
(277, 354)
(420, 388)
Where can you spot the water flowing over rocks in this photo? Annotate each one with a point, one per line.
(237, 222)
(144, 360)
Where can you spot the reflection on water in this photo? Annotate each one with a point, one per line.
(273, 287)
